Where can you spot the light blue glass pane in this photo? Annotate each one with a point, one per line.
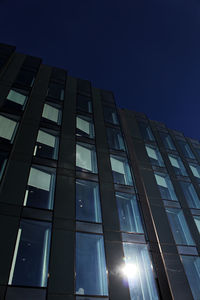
(146, 131)
(86, 157)
(197, 222)
(179, 227)
(190, 194)
(154, 156)
(177, 165)
(167, 141)
(165, 186)
(87, 201)
(192, 269)
(121, 170)
(84, 127)
(129, 215)
(115, 139)
(91, 277)
(140, 274)
(30, 265)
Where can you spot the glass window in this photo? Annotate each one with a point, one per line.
(146, 131)
(154, 156)
(139, 272)
(179, 227)
(177, 165)
(195, 170)
(86, 157)
(129, 215)
(51, 113)
(84, 103)
(84, 127)
(121, 170)
(25, 78)
(16, 99)
(110, 115)
(91, 277)
(31, 255)
(185, 148)
(88, 201)
(197, 222)
(167, 141)
(56, 91)
(190, 194)
(7, 128)
(40, 188)
(192, 269)
(3, 160)
(46, 145)
(115, 139)
(165, 186)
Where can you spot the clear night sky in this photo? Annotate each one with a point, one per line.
(146, 51)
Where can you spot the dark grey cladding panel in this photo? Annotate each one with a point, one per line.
(128, 120)
(61, 297)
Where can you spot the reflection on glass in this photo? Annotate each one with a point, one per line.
(179, 227)
(121, 170)
(86, 157)
(31, 255)
(138, 270)
(40, 188)
(129, 215)
(46, 145)
(190, 194)
(7, 128)
(154, 156)
(167, 141)
(177, 165)
(87, 201)
(84, 127)
(195, 170)
(91, 277)
(165, 186)
(51, 113)
(16, 99)
(115, 139)
(192, 269)
(197, 222)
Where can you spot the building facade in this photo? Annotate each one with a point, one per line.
(96, 202)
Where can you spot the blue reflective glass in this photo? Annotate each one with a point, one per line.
(190, 194)
(86, 158)
(115, 139)
(121, 170)
(167, 141)
(146, 131)
(179, 227)
(165, 186)
(91, 277)
(87, 201)
(177, 165)
(192, 269)
(129, 215)
(139, 273)
(154, 156)
(186, 150)
(31, 256)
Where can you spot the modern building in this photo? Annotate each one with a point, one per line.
(96, 202)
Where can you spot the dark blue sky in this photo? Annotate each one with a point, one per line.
(146, 51)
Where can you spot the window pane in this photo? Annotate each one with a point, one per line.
(115, 139)
(190, 194)
(192, 269)
(121, 170)
(179, 227)
(195, 170)
(91, 277)
(185, 148)
(3, 160)
(46, 145)
(86, 157)
(167, 141)
(87, 201)
(25, 78)
(146, 131)
(84, 127)
(7, 128)
(129, 215)
(40, 189)
(110, 115)
(165, 186)
(51, 113)
(177, 165)
(84, 103)
(31, 255)
(138, 270)
(197, 221)
(154, 156)
(56, 91)
(16, 98)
